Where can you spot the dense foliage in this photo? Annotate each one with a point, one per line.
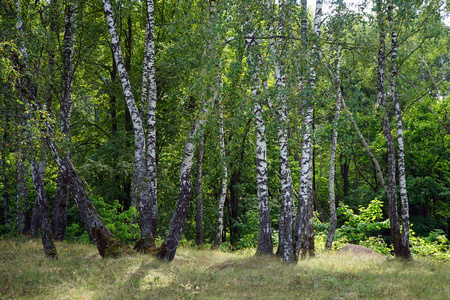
(101, 144)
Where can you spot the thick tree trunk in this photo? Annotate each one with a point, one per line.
(199, 192)
(333, 218)
(405, 252)
(59, 218)
(265, 245)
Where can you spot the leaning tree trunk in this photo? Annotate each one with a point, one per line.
(99, 234)
(199, 192)
(392, 191)
(168, 248)
(146, 242)
(265, 245)
(333, 218)
(59, 217)
(405, 251)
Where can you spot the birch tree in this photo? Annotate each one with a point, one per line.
(147, 202)
(278, 57)
(265, 245)
(59, 217)
(392, 191)
(304, 227)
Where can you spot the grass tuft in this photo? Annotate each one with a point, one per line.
(80, 273)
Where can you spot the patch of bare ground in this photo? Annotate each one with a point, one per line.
(359, 250)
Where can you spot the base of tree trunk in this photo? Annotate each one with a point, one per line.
(145, 246)
(107, 245)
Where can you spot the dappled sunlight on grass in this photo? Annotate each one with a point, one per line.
(204, 274)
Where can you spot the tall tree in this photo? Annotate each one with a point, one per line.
(145, 189)
(59, 217)
(265, 244)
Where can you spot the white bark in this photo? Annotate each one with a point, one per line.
(285, 221)
(333, 218)
(145, 191)
(265, 244)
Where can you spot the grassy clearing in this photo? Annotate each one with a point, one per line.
(80, 273)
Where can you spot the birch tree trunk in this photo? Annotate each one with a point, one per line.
(278, 56)
(304, 228)
(59, 218)
(168, 248)
(151, 121)
(333, 218)
(265, 245)
(405, 252)
(199, 192)
(46, 233)
(392, 193)
(146, 242)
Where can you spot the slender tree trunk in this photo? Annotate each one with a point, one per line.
(405, 252)
(46, 233)
(151, 118)
(285, 221)
(22, 192)
(367, 147)
(199, 192)
(169, 247)
(5, 194)
(223, 191)
(265, 245)
(304, 228)
(59, 218)
(392, 192)
(146, 242)
(333, 218)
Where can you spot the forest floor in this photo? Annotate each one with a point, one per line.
(80, 273)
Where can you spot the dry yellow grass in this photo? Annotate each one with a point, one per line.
(80, 273)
